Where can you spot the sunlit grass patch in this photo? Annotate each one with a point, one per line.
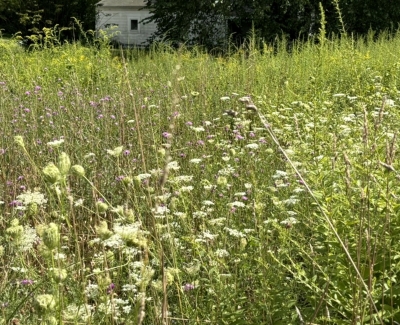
(178, 187)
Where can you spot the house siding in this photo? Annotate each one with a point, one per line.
(120, 18)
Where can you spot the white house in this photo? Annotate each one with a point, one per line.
(123, 18)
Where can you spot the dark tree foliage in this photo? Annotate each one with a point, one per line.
(188, 21)
(197, 21)
(211, 22)
(362, 16)
(29, 17)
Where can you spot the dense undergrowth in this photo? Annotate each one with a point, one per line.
(149, 189)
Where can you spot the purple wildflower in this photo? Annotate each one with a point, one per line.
(188, 287)
(110, 288)
(26, 282)
(126, 152)
(15, 203)
(119, 178)
(166, 135)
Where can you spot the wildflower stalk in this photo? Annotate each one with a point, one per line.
(271, 133)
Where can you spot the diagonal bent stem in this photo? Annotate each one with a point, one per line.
(251, 107)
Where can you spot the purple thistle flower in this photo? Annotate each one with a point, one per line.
(166, 135)
(110, 288)
(188, 287)
(119, 178)
(15, 203)
(26, 282)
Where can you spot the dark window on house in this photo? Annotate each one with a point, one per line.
(134, 24)
(110, 25)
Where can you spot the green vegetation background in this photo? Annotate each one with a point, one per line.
(176, 187)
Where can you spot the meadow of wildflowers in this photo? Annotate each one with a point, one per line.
(177, 187)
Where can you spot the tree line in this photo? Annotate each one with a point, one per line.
(200, 21)
(29, 17)
(184, 20)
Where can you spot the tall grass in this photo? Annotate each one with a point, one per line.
(144, 188)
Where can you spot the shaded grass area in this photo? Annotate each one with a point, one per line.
(139, 188)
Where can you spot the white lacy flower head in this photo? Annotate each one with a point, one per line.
(199, 214)
(173, 165)
(221, 253)
(143, 176)
(226, 171)
(279, 174)
(236, 204)
(234, 232)
(74, 312)
(29, 197)
(186, 188)
(289, 221)
(78, 203)
(198, 129)
(116, 151)
(55, 143)
(252, 146)
(160, 210)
